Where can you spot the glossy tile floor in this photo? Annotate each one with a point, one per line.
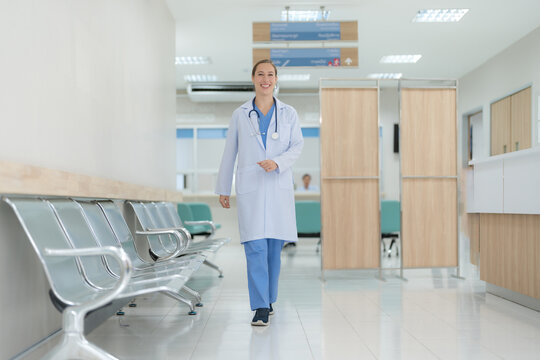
(350, 315)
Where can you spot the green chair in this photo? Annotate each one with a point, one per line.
(390, 223)
(194, 224)
(308, 219)
(201, 212)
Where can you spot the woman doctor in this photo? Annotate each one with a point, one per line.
(265, 135)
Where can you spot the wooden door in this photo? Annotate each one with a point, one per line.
(500, 126)
(520, 123)
(429, 171)
(349, 178)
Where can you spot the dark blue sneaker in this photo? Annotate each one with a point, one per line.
(261, 317)
(271, 310)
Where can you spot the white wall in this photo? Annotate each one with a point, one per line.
(512, 69)
(86, 86)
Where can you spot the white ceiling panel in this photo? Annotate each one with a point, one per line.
(222, 31)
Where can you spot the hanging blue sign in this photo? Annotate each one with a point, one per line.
(302, 31)
(306, 57)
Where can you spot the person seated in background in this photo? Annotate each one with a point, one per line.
(306, 184)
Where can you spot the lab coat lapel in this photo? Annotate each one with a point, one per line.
(252, 123)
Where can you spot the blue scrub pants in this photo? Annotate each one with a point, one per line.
(263, 258)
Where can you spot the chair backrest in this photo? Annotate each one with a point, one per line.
(200, 211)
(105, 233)
(121, 230)
(185, 213)
(173, 212)
(80, 235)
(166, 216)
(44, 232)
(308, 216)
(158, 222)
(161, 245)
(390, 216)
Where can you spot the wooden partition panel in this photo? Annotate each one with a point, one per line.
(349, 178)
(510, 255)
(429, 222)
(429, 171)
(350, 223)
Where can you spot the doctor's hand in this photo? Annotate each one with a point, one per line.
(224, 201)
(268, 165)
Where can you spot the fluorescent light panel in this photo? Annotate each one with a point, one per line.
(200, 78)
(294, 77)
(439, 15)
(305, 15)
(400, 59)
(385, 76)
(192, 60)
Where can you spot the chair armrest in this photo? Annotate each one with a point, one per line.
(118, 254)
(182, 242)
(203, 222)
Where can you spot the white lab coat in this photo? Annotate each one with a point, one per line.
(265, 201)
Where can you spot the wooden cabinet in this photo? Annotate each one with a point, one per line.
(511, 123)
(500, 126)
(520, 126)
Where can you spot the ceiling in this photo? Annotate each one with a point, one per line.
(222, 30)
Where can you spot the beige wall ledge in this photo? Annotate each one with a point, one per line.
(33, 180)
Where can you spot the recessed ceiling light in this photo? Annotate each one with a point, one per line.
(385, 76)
(192, 60)
(294, 77)
(400, 59)
(200, 78)
(304, 15)
(439, 15)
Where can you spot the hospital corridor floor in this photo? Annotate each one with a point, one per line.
(350, 315)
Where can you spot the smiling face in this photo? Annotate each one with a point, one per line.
(264, 79)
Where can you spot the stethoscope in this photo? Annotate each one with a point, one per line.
(275, 135)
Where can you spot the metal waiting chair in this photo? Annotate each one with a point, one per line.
(113, 222)
(81, 285)
(163, 215)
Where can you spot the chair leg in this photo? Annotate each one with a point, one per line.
(195, 294)
(73, 344)
(182, 299)
(213, 266)
(390, 249)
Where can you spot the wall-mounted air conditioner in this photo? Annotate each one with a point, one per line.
(221, 91)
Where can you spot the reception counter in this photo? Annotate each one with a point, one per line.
(504, 216)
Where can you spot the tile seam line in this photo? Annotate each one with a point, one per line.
(305, 334)
(354, 329)
(206, 322)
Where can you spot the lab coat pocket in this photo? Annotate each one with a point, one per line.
(286, 180)
(246, 179)
(285, 134)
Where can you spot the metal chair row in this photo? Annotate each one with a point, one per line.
(163, 215)
(90, 259)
